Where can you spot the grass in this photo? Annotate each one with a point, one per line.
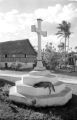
(14, 111)
(74, 74)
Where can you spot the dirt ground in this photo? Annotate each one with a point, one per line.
(14, 111)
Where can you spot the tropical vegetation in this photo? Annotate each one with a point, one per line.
(64, 32)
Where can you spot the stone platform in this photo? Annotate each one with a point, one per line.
(24, 92)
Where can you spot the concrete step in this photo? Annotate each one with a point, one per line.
(32, 79)
(43, 100)
(24, 89)
(15, 96)
(19, 82)
(42, 73)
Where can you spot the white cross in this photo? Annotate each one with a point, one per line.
(39, 33)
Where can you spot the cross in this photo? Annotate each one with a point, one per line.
(39, 32)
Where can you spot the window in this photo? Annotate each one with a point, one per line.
(5, 55)
(25, 55)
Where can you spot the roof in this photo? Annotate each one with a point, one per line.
(17, 47)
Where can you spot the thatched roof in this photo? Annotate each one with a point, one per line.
(17, 47)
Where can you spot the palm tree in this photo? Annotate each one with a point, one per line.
(64, 31)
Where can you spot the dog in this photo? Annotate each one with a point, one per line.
(45, 85)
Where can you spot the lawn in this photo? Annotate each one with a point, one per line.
(13, 111)
(73, 74)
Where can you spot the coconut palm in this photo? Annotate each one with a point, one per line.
(64, 31)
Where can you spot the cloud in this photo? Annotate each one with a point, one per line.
(57, 13)
(1, 0)
(15, 25)
(48, 14)
(73, 0)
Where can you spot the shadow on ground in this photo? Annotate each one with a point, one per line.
(66, 112)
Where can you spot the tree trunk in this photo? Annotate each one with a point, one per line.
(65, 50)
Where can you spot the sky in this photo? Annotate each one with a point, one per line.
(17, 16)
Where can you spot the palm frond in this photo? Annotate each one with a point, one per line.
(60, 36)
(64, 29)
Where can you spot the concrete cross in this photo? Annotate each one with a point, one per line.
(39, 33)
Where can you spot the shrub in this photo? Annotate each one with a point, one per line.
(50, 57)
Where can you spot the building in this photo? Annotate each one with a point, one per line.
(16, 52)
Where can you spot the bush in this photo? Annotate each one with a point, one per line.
(16, 66)
(51, 61)
(50, 57)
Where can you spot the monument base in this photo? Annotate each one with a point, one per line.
(25, 92)
(42, 72)
(39, 66)
(58, 99)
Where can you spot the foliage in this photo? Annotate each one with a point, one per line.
(50, 57)
(16, 66)
(61, 47)
(64, 32)
(64, 29)
(55, 60)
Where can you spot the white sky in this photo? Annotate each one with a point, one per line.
(17, 16)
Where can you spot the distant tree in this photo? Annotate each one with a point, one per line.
(64, 31)
(61, 47)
